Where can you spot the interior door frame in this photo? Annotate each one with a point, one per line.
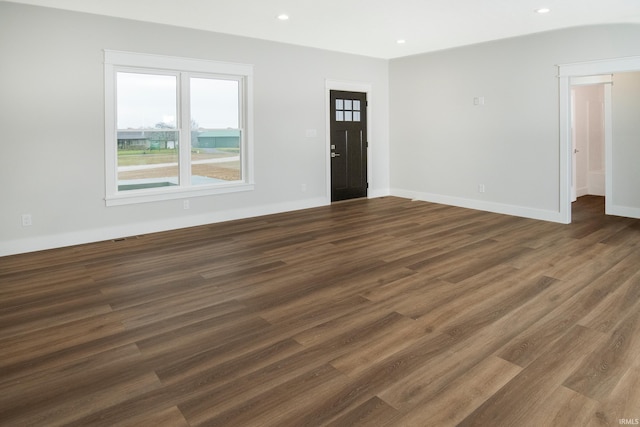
(565, 73)
(346, 86)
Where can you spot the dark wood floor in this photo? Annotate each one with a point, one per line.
(373, 312)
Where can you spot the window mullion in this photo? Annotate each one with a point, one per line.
(184, 112)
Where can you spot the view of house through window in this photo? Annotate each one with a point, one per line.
(155, 118)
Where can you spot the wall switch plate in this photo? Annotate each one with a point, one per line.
(27, 220)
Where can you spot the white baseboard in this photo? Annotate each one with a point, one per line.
(625, 211)
(372, 194)
(582, 191)
(544, 215)
(52, 241)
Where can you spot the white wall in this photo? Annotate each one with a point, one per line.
(625, 160)
(52, 125)
(443, 146)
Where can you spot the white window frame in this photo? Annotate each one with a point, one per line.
(115, 61)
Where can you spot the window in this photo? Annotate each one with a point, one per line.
(347, 110)
(175, 127)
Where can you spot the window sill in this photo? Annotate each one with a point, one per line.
(161, 194)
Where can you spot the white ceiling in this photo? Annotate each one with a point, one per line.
(366, 27)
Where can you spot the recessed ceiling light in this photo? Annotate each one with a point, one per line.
(283, 17)
(401, 41)
(543, 10)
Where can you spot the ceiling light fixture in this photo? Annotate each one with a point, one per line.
(543, 10)
(401, 41)
(283, 17)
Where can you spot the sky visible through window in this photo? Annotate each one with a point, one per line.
(146, 100)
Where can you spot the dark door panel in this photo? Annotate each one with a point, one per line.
(348, 145)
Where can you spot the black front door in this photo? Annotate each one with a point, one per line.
(348, 145)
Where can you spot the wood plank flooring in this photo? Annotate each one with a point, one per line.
(382, 312)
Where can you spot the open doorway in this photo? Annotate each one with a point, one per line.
(621, 180)
(590, 102)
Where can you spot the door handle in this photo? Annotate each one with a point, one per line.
(335, 154)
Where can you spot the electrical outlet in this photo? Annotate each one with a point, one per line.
(478, 100)
(27, 220)
(480, 188)
(303, 188)
(186, 204)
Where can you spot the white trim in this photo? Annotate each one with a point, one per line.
(481, 205)
(566, 151)
(591, 80)
(625, 211)
(184, 125)
(246, 108)
(171, 193)
(603, 66)
(54, 241)
(110, 150)
(375, 193)
(243, 73)
(566, 72)
(609, 209)
(574, 172)
(347, 86)
(177, 63)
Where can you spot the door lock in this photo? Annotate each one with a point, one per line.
(335, 154)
